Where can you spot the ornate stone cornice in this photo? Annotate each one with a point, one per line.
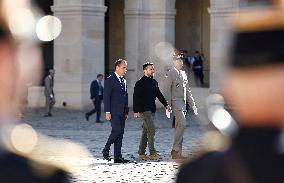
(80, 10)
(222, 11)
(150, 14)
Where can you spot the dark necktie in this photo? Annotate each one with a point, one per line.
(100, 87)
(122, 83)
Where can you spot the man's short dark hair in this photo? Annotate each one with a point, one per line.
(147, 64)
(118, 62)
(99, 75)
(184, 51)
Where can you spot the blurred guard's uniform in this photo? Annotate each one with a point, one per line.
(254, 92)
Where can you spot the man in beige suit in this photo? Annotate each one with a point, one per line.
(177, 93)
(48, 91)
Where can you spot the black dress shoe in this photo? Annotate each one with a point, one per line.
(99, 121)
(120, 160)
(87, 117)
(48, 115)
(106, 155)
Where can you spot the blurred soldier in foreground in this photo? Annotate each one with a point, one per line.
(16, 168)
(177, 93)
(254, 93)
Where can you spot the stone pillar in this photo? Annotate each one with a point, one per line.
(132, 42)
(221, 12)
(147, 23)
(79, 50)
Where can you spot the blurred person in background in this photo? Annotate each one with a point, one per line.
(197, 67)
(16, 167)
(186, 60)
(48, 92)
(253, 92)
(96, 91)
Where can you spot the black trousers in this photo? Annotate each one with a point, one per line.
(198, 75)
(97, 108)
(116, 135)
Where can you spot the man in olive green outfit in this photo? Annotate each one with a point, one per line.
(177, 93)
(146, 91)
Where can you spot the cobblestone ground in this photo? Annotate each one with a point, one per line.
(71, 125)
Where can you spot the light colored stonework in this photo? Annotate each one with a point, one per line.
(79, 50)
(36, 96)
(147, 23)
(221, 12)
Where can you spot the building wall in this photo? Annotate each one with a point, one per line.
(221, 24)
(148, 24)
(79, 50)
(116, 37)
(192, 30)
(136, 27)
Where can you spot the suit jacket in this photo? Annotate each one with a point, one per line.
(94, 90)
(115, 97)
(48, 83)
(177, 91)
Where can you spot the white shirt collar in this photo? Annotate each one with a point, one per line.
(178, 71)
(118, 76)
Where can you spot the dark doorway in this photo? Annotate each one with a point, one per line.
(46, 47)
(192, 32)
(114, 33)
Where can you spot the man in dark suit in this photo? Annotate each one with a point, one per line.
(48, 91)
(116, 109)
(96, 91)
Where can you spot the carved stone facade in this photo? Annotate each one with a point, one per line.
(221, 12)
(79, 52)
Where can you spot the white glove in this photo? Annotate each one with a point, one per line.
(195, 110)
(51, 96)
(168, 113)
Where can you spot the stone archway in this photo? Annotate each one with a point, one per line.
(192, 31)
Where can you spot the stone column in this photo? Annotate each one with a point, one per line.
(221, 12)
(132, 41)
(147, 23)
(79, 50)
